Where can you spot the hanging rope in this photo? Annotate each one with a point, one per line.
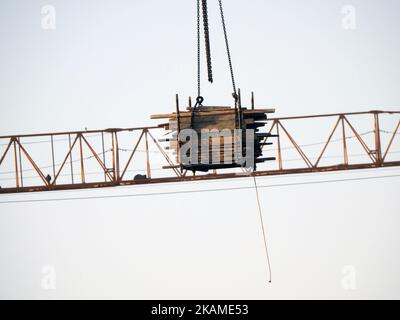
(263, 229)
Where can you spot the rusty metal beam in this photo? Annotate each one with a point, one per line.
(207, 177)
(336, 115)
(64, 133)
(148, 167)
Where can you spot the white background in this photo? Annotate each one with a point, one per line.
(113, 64)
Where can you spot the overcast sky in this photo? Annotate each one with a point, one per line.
(115, 63)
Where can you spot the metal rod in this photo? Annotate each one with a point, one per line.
(363, 144)
(113, 157)
(239, 109)
(345, 155)
(117, 156)
(335, 114)
(104, 156)
(20, 165)
(178, 120)
(96, 157)
(34, 165)
(70, 160)
(327, 143)
(164, 154)
(269, 132)
(6, 151)
(297, 147)
(16, 166)
(81, 158)
(132, 154)
(147, 155)
(377, 136)
(391, 141)
(63, 133)
(65, 159)
(279, 148)
(52, 156)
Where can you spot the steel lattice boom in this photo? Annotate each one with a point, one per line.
(67, 160)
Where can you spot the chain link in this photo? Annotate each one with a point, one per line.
(207, 40)
(203, 6)
(228, 50)
(198, 51)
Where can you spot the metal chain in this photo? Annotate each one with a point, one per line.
(208, 48)
(207, 40)
(228, 50)
(198, 51)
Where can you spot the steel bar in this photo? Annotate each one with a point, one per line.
(164, 154)
(81, 159)
(16, 165)
(279, 148)
(302, 154)
(97, 157)
(344, 139)
(111, 130)
(377, 136)
(116, 157)
(6, 151)
(148, 168)
(178, 120)
(113, 157)
(33, 163)
(391, 140)
(335, 115)
(52, 156)
(20, 164)
(363, 144)
(70, 160)
(104, 156)
(65, 160)
(132, 154)
(327, 143)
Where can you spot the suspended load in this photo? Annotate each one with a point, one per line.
(209, 137)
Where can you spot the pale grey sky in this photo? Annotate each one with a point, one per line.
(113, 64)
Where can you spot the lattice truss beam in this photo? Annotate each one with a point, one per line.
(116, 157)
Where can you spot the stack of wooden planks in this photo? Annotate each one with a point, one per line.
(220, 142)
